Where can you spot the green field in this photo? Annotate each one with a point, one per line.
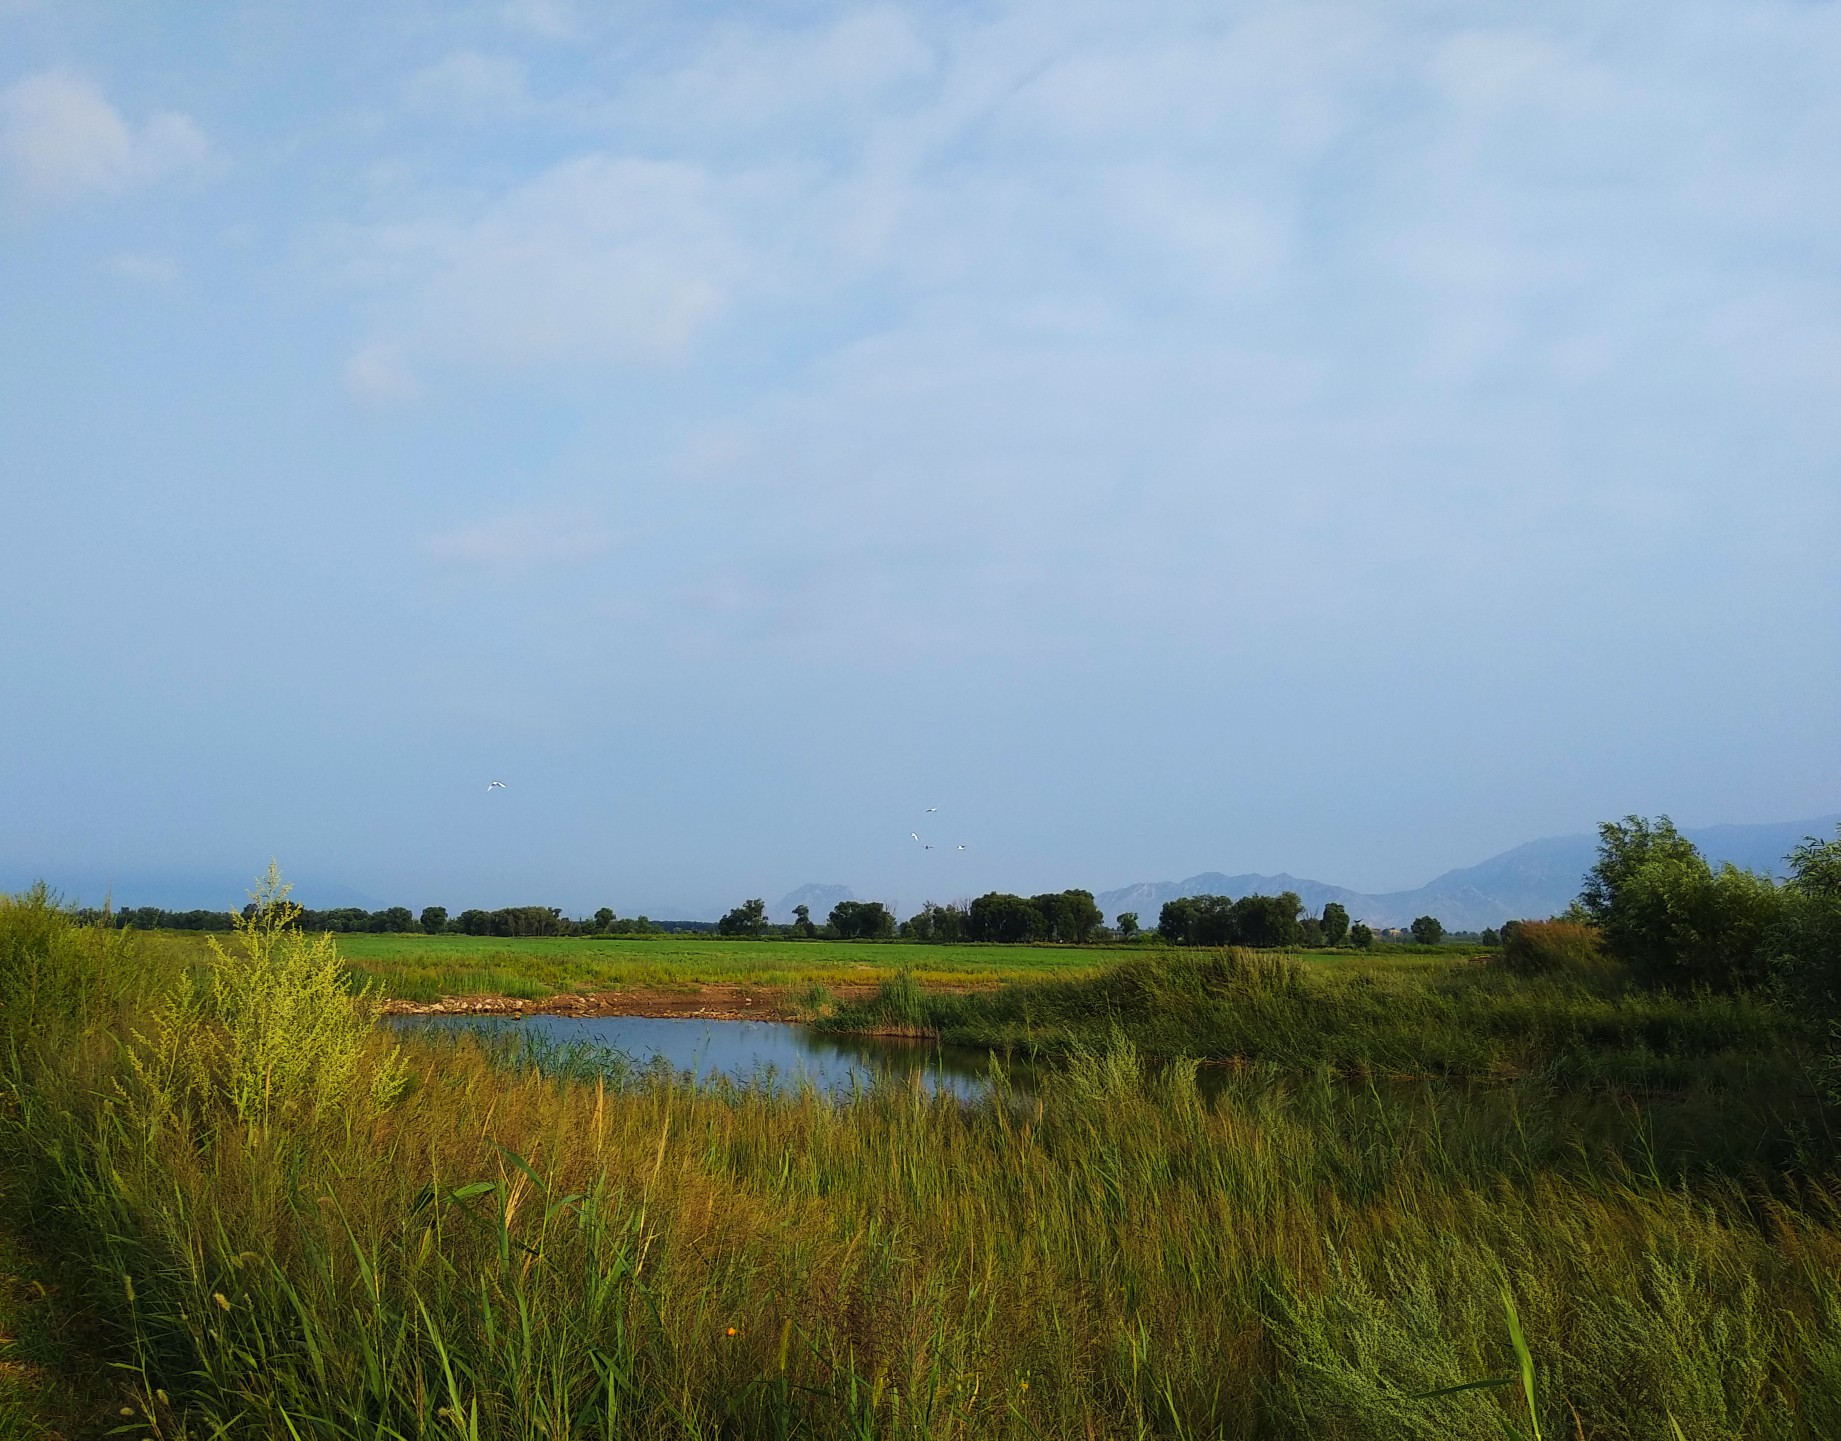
(427, 968)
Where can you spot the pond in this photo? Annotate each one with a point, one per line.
(770, 1053)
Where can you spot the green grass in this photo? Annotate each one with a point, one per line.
(1461, 1020)
(506, 1251)
(425, 967)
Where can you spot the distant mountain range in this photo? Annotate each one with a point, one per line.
(1538, 879)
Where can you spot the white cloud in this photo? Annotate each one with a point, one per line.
(521, 541)
(551, 19)
(469, 84)
(161, 270)
(61, 140)
(377, 377)
(1275, 271)
(599, 260)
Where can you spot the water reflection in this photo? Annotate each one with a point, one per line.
(766, 1053)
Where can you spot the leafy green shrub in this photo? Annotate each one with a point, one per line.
(1805, 943)
(1675, 920)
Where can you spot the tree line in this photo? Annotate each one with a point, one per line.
(1276, 921)
(1071, 917)
(400, 920)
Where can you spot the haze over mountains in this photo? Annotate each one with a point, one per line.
(1537, 879)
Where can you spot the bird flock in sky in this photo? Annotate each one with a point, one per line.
(928, 845)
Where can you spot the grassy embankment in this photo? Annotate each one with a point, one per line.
(290, 1232)
(1468, 1020)
(429, 968)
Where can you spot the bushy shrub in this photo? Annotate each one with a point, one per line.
(1533, 948)
(1665, 912)
(1805, 944)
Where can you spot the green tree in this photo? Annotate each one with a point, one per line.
(1310, 933)
(1667, 914)
(862, 920)
(1428, 930)
(802, 921)
(1128, 925)
(1176, 920)
(1361, 935)
(1068, 916)
(604, 918)
(747, 919)
(1804, 945)
(1266, 920)
(434, 919)
(999, 916)
(1335, 923)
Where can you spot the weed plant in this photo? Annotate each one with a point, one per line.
(509, 1246)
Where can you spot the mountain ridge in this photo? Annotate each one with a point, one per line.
(1537, 878)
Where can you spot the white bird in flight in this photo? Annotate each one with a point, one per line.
(497, 786)
(932, 809)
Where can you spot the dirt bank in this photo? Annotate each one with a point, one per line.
(714, 1002)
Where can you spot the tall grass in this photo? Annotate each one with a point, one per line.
(500, 1250)
(1471, 1021)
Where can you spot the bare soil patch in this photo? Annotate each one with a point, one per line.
(716, 1001)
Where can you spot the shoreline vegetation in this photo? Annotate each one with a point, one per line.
(1597, 1171)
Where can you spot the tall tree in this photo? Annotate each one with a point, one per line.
(747, 919)
(1664, 911)
(434, 919)
(999, 916)
(862, 920)
(1335, 923)
(1428, 930)
(1267, 920)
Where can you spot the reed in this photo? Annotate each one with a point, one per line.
(505, 1248)
(1464, 1021)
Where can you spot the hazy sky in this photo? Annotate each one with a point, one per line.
(1343, 438)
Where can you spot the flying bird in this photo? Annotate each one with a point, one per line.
(915, 834)
(932, 809)
(497, 786)
(961, 847)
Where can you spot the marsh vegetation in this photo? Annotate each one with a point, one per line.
(265, 1215)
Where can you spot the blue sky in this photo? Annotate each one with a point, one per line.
(1342, 438)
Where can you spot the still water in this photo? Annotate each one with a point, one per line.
(767, 1053)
